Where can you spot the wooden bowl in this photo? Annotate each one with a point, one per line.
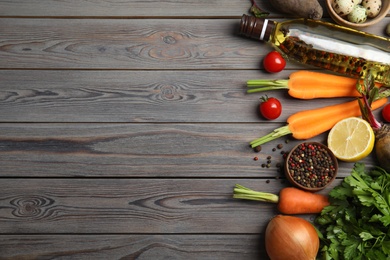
(305, 170)
(370, 21)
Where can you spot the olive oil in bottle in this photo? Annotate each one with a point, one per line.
(336, 48)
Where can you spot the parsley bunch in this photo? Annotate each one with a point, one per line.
(357, 223)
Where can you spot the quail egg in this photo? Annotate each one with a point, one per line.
(373, 7)
(343, 7)
(358, 14)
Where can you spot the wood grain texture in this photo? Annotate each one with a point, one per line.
(123, 44)
(130, 8)
(142, 150)
(140, 96)
(124, 127)
(134, 44)
(141, 247)
(137, 206)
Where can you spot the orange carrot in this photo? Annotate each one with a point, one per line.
(290, 200)
(310, 123)
(309, 85)
(297, 201)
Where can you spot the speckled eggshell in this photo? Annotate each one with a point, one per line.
(343, 7)
(373, 7)
(358, 14)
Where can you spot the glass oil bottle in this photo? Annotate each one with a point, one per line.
(332, 47)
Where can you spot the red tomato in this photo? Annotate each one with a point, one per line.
(274, 62)
(386, 113)
(270, 108)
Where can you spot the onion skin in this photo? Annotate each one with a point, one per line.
(291, 238)
(382, 146)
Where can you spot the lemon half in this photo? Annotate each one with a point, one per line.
(351, 139)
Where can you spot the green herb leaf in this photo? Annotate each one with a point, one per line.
(341, 192)
(356, 224)
(386, 247)
(366, 236)
(350, 250)
(385, 220)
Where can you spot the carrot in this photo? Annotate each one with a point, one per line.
(290, 200)
(309, 85)
(309, 123)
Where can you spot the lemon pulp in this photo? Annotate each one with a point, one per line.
(351, 139)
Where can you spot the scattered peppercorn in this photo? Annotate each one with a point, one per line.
(256, 158)
(257, 149)
(267, 181)
(279, 146)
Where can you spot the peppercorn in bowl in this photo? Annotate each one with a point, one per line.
(311, 166)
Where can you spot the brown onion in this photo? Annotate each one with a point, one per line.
(291, 238)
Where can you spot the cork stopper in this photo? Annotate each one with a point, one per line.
(257, 28)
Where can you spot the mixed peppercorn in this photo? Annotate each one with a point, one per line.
(311, 165)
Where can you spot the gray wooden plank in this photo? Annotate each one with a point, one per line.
(130, 8)
(173, 44)
(141, 247)
(138, 206)
(123, 44)
(140, 96)
(126, 96)
(142, 150)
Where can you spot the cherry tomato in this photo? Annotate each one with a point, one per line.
(386, 113)
(274, 62)
(270, 108)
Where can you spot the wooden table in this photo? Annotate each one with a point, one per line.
(124, 126)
